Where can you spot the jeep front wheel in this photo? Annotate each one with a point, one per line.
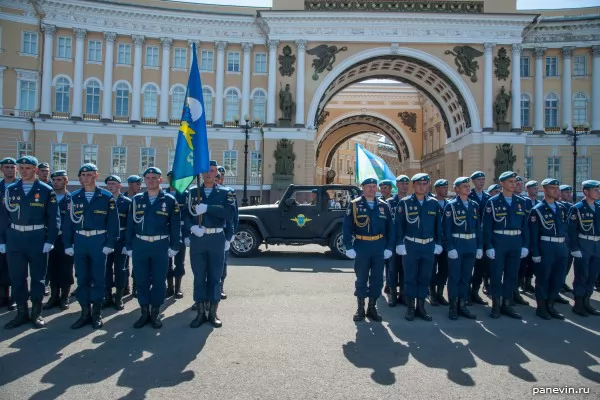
(245, 242)
(336, 244)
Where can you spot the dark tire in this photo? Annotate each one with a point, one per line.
(245, 242)
(336, 244)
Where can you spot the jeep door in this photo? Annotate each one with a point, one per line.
(301, 214)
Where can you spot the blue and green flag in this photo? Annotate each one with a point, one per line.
(369, 165)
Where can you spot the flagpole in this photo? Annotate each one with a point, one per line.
(199, 198)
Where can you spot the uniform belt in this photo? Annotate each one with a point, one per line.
(91, 233)
(122, 229)
(514, 232)
(552, 239)
(464, 235)
(151, 238)
(369, 238)
(26, 228)
(210, 231)
(417, 240)
(587, 237)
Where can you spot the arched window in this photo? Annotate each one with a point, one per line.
(150, 101)
(231, 105)
(525, 110)
(551, 110)
(92, 98)
(580, 109)
(61, 101)
(259, 103)
(208, 103)
(177, 99)
(122, 100)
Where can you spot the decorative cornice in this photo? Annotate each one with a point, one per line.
(26, 74)
(554, 33)
(425, 6)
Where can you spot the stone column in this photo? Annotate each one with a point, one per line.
(516, 88)
(488, 88)
(138, 41)
(567, 101)
(107, 100)
(163, 116)
(1, 89)
(272, 83)
(538, 101)
(46, 106)
(191, 44)
(247, 49)
(301, 48)
(76, 108)
(595, 109)
(220, 86)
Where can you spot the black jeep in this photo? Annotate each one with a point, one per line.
(307, 214)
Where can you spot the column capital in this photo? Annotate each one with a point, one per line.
(488, 47)
(110, 37)
(567, 51)
(80, 33)
(301, 44)
(49, 30)
(273, 44)
(192, 41)
(221, 45)
(595, 51)
(247, 47)
(539, 52)
(166, 42)
(138, 40)
(517, 48)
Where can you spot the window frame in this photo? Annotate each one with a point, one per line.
(170, 158)
(525, 63)
(548, 67)
(575, 109)
(256, 70)
(112, 159)
(225, 164)
(588, 165)
(584, 64)
(237, 99)
(125, 46)
(53, 151)
(153, 98)
(212, 60)
(549, 109)
(184, 62)
(84, 153)
(87, 93)
(153, 48)
(65, 56)
(254, 160)
(556, 164)
(20, 82)
(208, 105)
(173, 108)
(97, 51)
(142, 155)
(236, 68)
(37, 43)
(62, 93)
(123, 99)
(26, 151)
(525, 98)
(263, 96)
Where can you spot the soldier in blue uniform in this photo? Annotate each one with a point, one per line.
(464, 244)
(584, 243)
(117, 272)
(230, 228)
(439, 275)
(29, 224)
(8, 166)
(43, 172)
(494, 190)
(175, 275)
(548, 230)
(90, 234)
(209, 207)
(565, 199)
(134, 186)
(385, 188)
(520, 186)
(506, 239)
(418, 238)
(60, 265)
(395, 275)
(481, 271)
(527, 268)
(369, 221)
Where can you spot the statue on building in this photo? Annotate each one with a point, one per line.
(284, 157)
(505, 159)
(325, 58)
(409, 119)
(502, 62)
(329, 178)
(501, 108)
(286, 62)
(464, 58)
(286, 104)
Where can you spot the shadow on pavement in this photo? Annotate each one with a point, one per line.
(296, 262)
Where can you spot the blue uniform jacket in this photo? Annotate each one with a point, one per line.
(63, 208)
(529, 204)
(360, 219)
(123, 206)
(481, 203)
(221, 207)
(458, 219)
(545, 222)
(232, 223)
(181, 199)
(418, 221)
(393, 203)
(38, 207)
(99, 214)
(154, 219)
(582, 221)
(499, 215)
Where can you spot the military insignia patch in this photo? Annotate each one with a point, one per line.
(573, 217)
(488, 210)
(112, 206)
(301, 220)
(533, 218)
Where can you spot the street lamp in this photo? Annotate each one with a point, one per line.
(574, 134)
(351, 173)
(246, 128)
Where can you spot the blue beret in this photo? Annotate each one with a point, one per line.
(8, 161)
(134, 179)
(402, 178)
(590, 184)
(506, 175)
(87, 168)
(29, 160)
(43, 165)
(170, 173)
(534, 184)
(461, 180)
(112, 178)
(519, 178)
(386, 182)
(440, 183)
(477, 174)
(221, 169)
(212, 163)
(218, 176)
(58, 173)
(550, 181)
(152, 170)
(493, 187)
(368, 181)
(421, 177)
(565, 187)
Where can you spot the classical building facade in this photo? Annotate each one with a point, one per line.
(104, 82)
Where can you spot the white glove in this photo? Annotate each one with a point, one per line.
(129, 253)
(524, 252)
(198, 230)
(124, 251)
(387, 254)
(107, 250)
(453, 254)
(201, 208)
(47, 248)
(438, 249)
(401, 250)
(577, 254)
(172, 253)
(69, 251)
(3, 248)
(227, 245)
(351, 254)
(186, 241)
(479, 254)
(491, 254)
(537, 259)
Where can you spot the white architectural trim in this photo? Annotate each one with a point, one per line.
(177, 85)
(256, 90)
(212, 92)
(239, 93)
(156, 86)
(554, 93)
(55, 79)
(587, 96)
(114, 89)
(90, 79)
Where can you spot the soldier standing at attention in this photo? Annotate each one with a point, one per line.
(60, 265)
(385, 188)
(9, 172)
(134, 186)
(506, 239)
(548, 229)
(369, 220)
(90, 234)
(527, 268)
(419, 238)
(175, 275)
(43, 174)
(494, 190)
(205, 219)
(482, 265)
(463, 241)
(584, 242)
(29, 224)
(566, 200)
(153, 235)
(439, 276)
(395, 276)
(230, 229)
(117, 272)
(520, 186)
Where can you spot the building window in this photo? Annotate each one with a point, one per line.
(118, 159)
(206, 60)
(150, 101)
(551, 110)
(24, 149)
(92, 98)
(61, 100)
(171, 159)
(528, 168)
(95, 50)
(233, 61)
(260, 63)
(89, 154)
(180, 58)
(27, 95)
(579, 66)
(208, 103)
(59, 156)
(63, 47)
(340, 165)
(122, 100)
(30, 43)
(554, 168)
(525, 110)
(147, 158)
(177, 99)
(255, 164)
(580, 109)
(583, 171)
(525, 67)
(231, 105)
(348, 145)
(259, 103)
(151, 56)
(551, 66)
(230, 162)
(124, 54)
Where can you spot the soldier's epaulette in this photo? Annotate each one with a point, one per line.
(170, 196)
(356, 200)
(382, 200)
(75, 193)
(12, 185)
(406, 198)
(105, 192)
(127, 199)
(578, 205)
(539, 205)
(138, 196)
(46, 186)
(495, 197)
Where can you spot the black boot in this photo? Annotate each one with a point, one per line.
(178, 292)
(567, 288)
(223, 294)
(12, 304)
(54, 299)
(486, 286)
(579, 308)
(561, 300)
(144, 319)
(386, 289)
(201, 317)
(542, 309)
(47, 289)
(194, 307)
(410, 310)
(440, 296)
(360, 310)
(372, 311)
(508, 310)
(453, 310)
(118, 303)
(463, 311)
(155, 318)
(528, 287)
(432, 296)
(518, 298)
(21, 318)
(36, 315)
(108, 299)
(552, 311)
(96, 316)
(421, 312)
(495, 313)
(84, 319)
(170, 288)
(393, 297)
(64, 297)
(476, 298)
(588, 307)
(212, 315)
